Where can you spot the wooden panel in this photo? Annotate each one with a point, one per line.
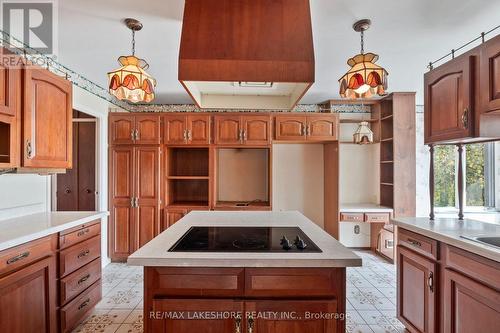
(172, 216)
(76, 310)
(227, 129)
(47, 115)
(198, 127)
(377, 217)
(290, 127)
(148, 129)
(292, 282)
(331, 188)
(86, 167)
(421, 244)
(256, 130)
(9, 88)
(67, 183)
(416, 297)
(490, 75)
(322, 128)
(121, 127)
(79, 234)
(78, 281)
(352, 217)
(25, 254)
(28, 299)
(78, 255)
(301, 322)
(448, 100)
(175, 129)
(468, 305)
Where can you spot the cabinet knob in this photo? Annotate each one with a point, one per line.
(29, 149)
(250, 322)
(68, 191)
(430, 281)
(465, 118)
(237, 328)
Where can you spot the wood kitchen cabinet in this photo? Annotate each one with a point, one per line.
(47, 115)
(171, 216)
(314, 127)
(247, 130)
(187, 129)
(125, 128)
(490, 76)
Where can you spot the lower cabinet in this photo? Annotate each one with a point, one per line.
(171, 216)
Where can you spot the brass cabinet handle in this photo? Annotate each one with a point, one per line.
(83, 279)
(250, 322)
(308, 129)
(430, 282)
(136, 202)
(184, 135)
(83, 232)
(237, 328)
(244, 135)
(240, 135)
(132, 135)
(132, 201)
(84, 304)
(29, 149)
(136, 134)
(465, 118)
(414, 242)
(83, 254)
(302, 130)
(18, 257)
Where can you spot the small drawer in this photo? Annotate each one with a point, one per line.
(419, 243)
(76, 310)
(377, 217)
(27, 253)
(352, 217)
(76, 256)
(78, 234)
(291, 282)
(78, 281)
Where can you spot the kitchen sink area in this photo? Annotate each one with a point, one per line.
(488, 240)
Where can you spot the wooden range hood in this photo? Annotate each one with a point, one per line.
(246, 54)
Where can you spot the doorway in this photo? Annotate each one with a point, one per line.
(76, 189)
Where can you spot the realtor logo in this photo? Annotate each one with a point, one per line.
(31, 23)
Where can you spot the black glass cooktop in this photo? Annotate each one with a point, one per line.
(244, 239)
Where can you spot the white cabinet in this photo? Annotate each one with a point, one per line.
(354, 234)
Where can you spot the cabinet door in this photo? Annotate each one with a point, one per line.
(147, 129)
(189, 307)
(322, 128)
(147, 177)
(291, 128)
(121, 187)
(9, 89)
(257, 130)
(449, 112)
(299, 323)
(227, 129)
(47, 115)
(28, 299)
(172, 216)
(469, 306)
(175, 131)
(416, 291)
(121, 129)
(198, 127)
(490, 75)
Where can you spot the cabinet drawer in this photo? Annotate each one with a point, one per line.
(291, 282)
(78, 234)
(76, 310)
(79, 280)
(78, 255)
(419, 243)
(25, 254)
(377, 217)
(351, 217)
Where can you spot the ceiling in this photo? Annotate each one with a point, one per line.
(406, 35)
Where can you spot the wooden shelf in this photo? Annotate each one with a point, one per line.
(386, 117)
(178, 204)
(387, 184)
(386, 139)
(357, 121)
(386, 162)
(240, 205)
(188, 177)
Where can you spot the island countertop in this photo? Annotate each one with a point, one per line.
(155, 253)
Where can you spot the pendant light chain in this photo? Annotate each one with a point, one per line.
(133, 42)
(362, 41)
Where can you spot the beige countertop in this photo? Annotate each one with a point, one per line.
(364, 208)
(26, 228)
(155, 253)
(450, 230)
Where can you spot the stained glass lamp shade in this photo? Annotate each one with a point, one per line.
(365, 78)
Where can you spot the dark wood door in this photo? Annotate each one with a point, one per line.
(188, 307)
(490, 75)
(198, 127)
(469, 306)
(147, 129)
(298, 322)
(448, 101)
(228, 129)
(47, 115)
(322, 128)
(121, 129)
(175, 129)
(416, 291)
(256, 130)
(9, 88)
(147, 212)
(292, 128)
(121, 194)
(28, 298)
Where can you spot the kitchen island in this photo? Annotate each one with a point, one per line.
(281, 273)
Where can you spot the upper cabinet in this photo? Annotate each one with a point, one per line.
(234, 129)
(462, 97)
(47, 119)
(134, 129)
(312, 127)
(181, 129)
(9, 90)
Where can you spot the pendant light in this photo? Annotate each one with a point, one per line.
(130, 82)
(363, 134)
(365, 79)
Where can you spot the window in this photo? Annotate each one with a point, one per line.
(479, 177)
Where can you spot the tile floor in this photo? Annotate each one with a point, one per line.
(371, 295)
